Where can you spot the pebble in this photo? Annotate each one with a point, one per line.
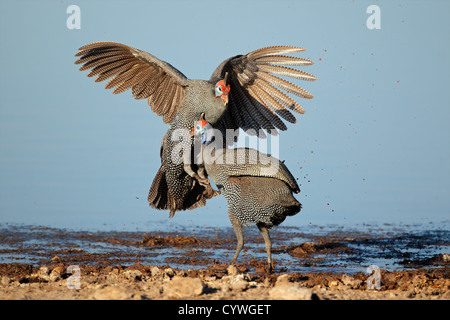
(350, 281)
(5, 281)
(43, 273)
(134, 275)
(169, 272)
(156, 272)
(237, 282)
(282, 279)
(180, 287)
(232, 270)
(56, 258)
(333, 283)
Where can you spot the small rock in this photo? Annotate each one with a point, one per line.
(56, 258)
(419, 281)
(156, 272)
(113, 274)
(42, 274)
(56, 274)
(446, 257)
(180, 287)
(239, 285)
(232, 270)
(5, 281)
(333, 283)
(169, 272)
(238, 282)
(350, 281)
(290, 292)
(153, 291)
(282, 280)
(44, 270)
(134, 275)
(210, 278)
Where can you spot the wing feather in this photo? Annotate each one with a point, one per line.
(130, 68)
(274, 50)
(289, 72)
(259, 97)
(285, 60)
(270, 101)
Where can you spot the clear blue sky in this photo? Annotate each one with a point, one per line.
(373, 146)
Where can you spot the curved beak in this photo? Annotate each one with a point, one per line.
(224, 99)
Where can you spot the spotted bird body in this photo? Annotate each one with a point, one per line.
(258, 187)
(257, 193)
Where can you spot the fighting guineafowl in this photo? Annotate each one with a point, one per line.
(257, 186)
(241, 93)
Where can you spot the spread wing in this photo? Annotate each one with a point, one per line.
(256, 99)
(130, 68)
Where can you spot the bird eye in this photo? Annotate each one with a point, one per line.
(218, 90)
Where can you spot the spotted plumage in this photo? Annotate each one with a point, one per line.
(251, 97)
(258, 187)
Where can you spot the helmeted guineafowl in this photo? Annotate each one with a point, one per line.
(241, 93)
(257, 187)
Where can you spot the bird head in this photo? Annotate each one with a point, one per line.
(222, 89)
(200, 129)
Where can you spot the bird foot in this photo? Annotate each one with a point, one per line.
(210, 192)
(202, 181)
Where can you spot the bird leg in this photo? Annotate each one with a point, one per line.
(266, 236)
(201, 172)
(204, 181)
(237, 226)
(202, 175)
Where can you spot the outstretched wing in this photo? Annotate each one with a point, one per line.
(130, 68)
(256, 100)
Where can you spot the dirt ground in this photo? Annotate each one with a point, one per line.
(136, 282)
(45, 263)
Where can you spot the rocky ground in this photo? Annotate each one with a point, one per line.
(138, 282)
(37, 263)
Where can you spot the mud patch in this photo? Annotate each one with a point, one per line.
(331, 249)
(331, 262)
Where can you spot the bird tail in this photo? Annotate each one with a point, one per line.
(293, 208)
(160, 197)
